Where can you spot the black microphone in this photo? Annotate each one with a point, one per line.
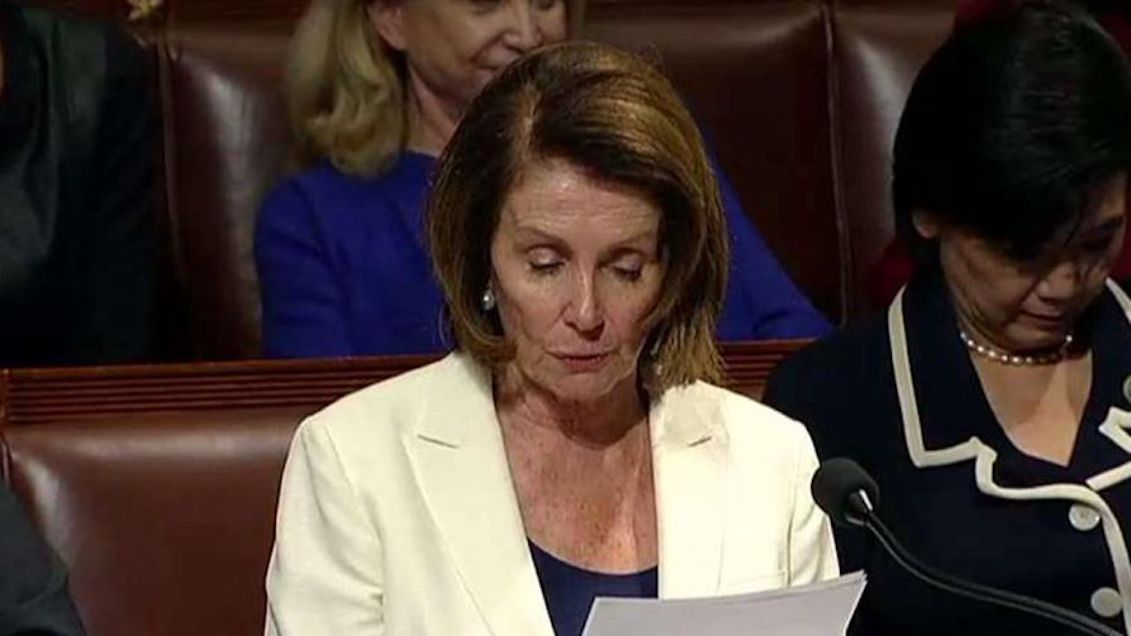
(848, 495)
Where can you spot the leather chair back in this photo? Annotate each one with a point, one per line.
(165, 521)
(756, 76)
(226, 142)
(878, 49)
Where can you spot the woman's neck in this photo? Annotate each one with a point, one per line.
(604, 422)
(1040, 408)
(431, 120)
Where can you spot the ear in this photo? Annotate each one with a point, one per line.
(926, 224)
(387, 18)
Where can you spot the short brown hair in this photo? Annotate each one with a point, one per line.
(614, 115)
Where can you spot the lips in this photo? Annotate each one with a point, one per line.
(1050, 323)
(1046, 318)
(582, 362)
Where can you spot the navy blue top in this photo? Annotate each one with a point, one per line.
(569, 590)
(1052, 547)
(344, 269)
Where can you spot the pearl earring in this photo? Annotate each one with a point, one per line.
(487, 301)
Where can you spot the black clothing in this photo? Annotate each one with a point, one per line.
(77, 161)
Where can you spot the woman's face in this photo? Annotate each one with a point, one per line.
(1031, 305)
(577, 270)
(454, 47)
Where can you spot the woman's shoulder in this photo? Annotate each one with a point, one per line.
(327, 191)
(736, 415)
(853, 356)
(316, 184)
(386, 410)
(841, 388)
(760, 441)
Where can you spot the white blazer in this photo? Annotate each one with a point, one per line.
(397, 513)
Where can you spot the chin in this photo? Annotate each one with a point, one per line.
(583, 386)
(1033, 338)
(580, 387)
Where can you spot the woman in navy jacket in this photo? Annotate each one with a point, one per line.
(991, 402)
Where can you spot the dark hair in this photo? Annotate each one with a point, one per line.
(1012, 128)
(612, 114)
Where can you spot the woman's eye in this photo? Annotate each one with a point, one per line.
(631, 274)
(546, 267)
(546, 5)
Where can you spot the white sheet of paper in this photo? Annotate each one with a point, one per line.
(820, 609)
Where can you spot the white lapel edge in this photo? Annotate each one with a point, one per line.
(431, 436)
(985, 456)
(1113, 533)
(909, 406)
(671, 441)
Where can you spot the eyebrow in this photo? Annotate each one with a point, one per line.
(618, 246)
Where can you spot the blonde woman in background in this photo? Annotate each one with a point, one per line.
(375, 90)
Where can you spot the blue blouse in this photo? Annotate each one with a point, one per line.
(569, 590)
(344, 269)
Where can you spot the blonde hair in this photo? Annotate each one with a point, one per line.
(345, 88)
(612, 114)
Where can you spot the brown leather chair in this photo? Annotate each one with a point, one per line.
(878, 50)
(165, 521)
(226, 142)
(756, 77)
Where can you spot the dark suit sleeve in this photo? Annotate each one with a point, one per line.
(121, 251)
(33, 583)
(801, 388)
(812, 388)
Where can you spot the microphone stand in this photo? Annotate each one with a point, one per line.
(866, 516)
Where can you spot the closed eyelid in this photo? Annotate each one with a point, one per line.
(543, 252)
(633, 261)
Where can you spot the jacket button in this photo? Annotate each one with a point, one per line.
(1083, 518)
(1106, 602)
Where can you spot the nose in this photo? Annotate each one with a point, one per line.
(584, 311)
(1062, 283)
(523, 32)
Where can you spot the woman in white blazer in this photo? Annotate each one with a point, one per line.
(574, 445)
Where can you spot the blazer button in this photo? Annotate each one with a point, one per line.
(1083, 518)
(1127, 388)
(1106, 602)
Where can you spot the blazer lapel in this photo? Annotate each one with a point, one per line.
(459, 459)
(690, 466)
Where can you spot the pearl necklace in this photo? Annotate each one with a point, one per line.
(1003, 357)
